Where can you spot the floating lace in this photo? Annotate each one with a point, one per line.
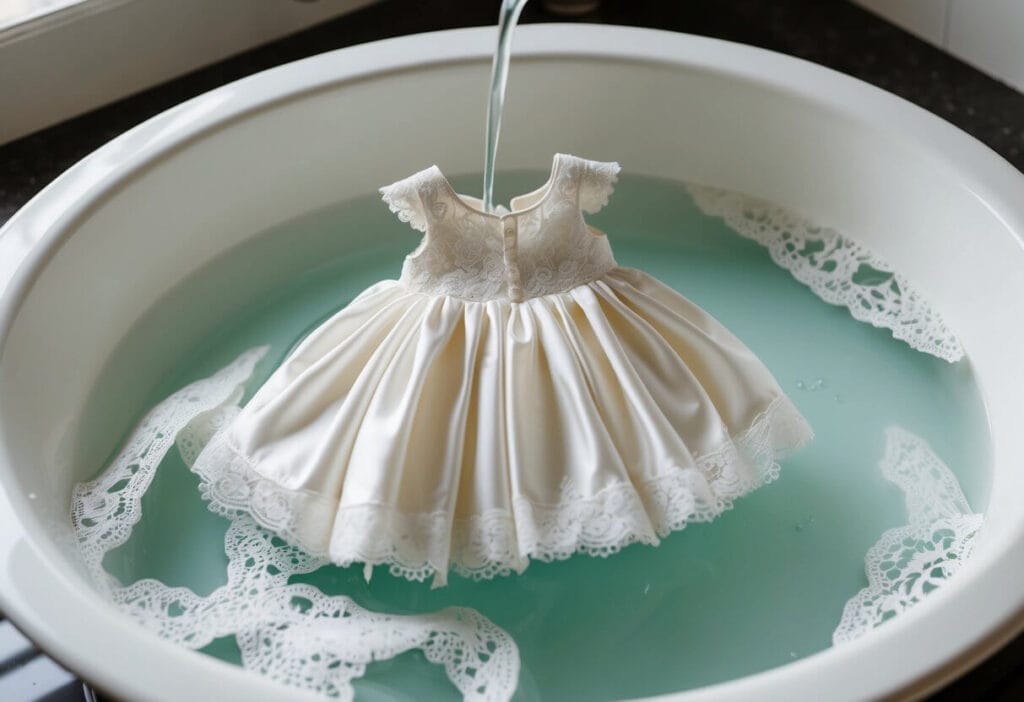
(909, 562)
(291, 633)
(837, 269)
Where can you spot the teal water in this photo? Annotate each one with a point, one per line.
(760, 587)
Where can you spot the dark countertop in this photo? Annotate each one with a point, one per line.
(833, 33)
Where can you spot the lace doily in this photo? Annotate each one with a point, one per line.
(292, 633)
(909, 562)
(837, 269)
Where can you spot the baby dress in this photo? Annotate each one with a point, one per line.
(515, 395)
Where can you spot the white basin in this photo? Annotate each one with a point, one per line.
(100, 246)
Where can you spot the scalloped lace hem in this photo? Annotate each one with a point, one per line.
(291, 633)
(909, 562)
(498, 542)
(838, 269)
(400, 199)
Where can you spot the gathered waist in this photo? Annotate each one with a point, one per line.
(481, 292)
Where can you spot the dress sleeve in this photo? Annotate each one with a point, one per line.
(403, 198)
(597, 181)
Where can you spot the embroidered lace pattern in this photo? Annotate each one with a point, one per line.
(597, 181)
(543, 248)
(909, 562)
(291, 633)
(837, 269)
(418, 546)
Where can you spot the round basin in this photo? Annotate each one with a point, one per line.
(84, 261)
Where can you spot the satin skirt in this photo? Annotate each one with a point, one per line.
(431, 433)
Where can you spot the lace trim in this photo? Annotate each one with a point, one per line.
(909, 562)
(597, 183)
(291, 633)
(544, 248)
(105, 510)
(498, 542)
(403, 199)
(836, 268)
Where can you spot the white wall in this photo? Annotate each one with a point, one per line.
(988, 34)
(71, 61)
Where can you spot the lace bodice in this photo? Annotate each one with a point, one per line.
(539, 247)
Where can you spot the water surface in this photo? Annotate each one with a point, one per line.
(761, 586)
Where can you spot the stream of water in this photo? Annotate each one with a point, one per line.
(510, 11)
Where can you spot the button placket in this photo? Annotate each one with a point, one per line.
(510, 245)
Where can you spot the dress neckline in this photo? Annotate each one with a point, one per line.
(543, 192)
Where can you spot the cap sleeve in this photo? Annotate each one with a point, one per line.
(597, 181)
(403, 198)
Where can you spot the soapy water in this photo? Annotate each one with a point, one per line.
(775, 573)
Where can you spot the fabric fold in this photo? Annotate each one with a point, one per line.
(573, 423)
(454, 420)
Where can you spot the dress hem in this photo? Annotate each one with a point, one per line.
(498, 542)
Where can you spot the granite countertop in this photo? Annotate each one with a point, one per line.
(834, 33)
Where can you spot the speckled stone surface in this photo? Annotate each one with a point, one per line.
(830, 32)
(833, 33)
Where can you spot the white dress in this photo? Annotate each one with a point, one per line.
(515, 395)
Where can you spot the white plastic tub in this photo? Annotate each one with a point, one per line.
(107, 239)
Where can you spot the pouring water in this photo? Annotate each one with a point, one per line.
(509, 16)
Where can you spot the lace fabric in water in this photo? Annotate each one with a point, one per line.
(292, 633)
(417, 546)
(837, 269)
(514, 396)
(909, 562)
(297, 635)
